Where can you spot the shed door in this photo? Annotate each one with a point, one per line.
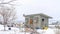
(31, 21)
(42, 22)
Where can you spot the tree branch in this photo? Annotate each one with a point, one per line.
(7, 2)
(11, 1)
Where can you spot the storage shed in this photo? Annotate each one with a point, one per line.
(37, 20)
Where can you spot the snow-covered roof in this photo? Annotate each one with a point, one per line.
(41, 14)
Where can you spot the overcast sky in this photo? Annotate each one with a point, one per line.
(49, 7)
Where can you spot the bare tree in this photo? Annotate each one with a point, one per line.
(7, 13)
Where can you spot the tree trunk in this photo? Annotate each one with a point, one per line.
(4, 28)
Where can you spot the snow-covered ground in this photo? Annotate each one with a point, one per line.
(15, 30)
(48, 31)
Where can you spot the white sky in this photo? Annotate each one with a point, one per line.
(49, 7)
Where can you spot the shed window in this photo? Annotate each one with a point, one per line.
(27, 20)
(36, 19)
(42, 19)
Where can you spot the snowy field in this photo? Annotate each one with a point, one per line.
(17, 31)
